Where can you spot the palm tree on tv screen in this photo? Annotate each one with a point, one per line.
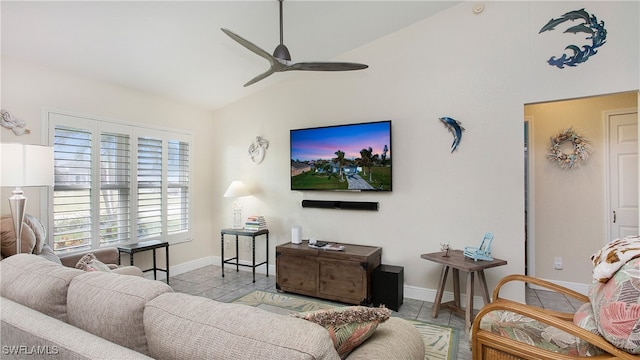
(340, 160)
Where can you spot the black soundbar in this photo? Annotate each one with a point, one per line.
(344, 205)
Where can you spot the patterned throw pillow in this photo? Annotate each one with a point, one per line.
(349, 326)
(90, 263)
(616, 305)
(608, 260)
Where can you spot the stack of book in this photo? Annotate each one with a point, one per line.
(255, 223)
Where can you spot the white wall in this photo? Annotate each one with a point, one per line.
(478, 69)
(27, 91)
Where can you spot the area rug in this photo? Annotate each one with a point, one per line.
(441, 342)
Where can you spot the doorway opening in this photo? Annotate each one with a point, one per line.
(568, 212)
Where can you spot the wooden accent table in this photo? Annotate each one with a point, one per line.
(458, 261)
(343, 276)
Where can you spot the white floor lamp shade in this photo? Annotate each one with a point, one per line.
(22, 166)
(235, 190)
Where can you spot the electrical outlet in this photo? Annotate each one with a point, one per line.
(557, 263)
(226, 244)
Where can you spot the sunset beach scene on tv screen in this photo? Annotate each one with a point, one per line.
(352, 157)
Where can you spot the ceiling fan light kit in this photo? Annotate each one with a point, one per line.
(281, 58)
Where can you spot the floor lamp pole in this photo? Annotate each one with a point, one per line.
(17, 203)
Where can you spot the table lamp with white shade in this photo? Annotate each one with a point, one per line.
(235, 190)
(23, 166)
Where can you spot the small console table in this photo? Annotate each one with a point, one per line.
(334, 275)
(457, 261)
(144, 246)
(236, 260)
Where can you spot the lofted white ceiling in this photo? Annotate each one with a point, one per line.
(176, 49)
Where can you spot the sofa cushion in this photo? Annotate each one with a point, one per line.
(201, 328)
(111, 306)
(28, 334)
(8, 238)
(37, 283)
(616, 304)
(396, 338)
(349, 326)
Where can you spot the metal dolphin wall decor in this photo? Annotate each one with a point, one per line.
(455, 128)
(589, 25)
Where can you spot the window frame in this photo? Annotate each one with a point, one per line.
(98, 126)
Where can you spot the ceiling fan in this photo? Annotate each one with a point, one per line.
(281, 59)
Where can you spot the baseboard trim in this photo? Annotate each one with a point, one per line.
(581, 288)
(185, 267)
(424, 294)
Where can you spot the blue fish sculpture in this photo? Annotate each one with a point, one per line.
(454, 127)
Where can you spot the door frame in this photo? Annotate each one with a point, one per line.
(530, 201)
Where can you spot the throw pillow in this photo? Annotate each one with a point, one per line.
(8, 238)
(38, 230)
(349, 326)
(608, 260)
(90, 263)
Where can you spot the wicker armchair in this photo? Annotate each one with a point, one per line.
(490, 339)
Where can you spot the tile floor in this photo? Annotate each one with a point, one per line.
(208, 282)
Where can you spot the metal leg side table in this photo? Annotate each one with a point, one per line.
(144, 246)
(457, 261)
(236, 260)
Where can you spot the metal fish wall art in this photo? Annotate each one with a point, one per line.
(454, 128)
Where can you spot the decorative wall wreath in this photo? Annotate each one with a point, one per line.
(581, 149)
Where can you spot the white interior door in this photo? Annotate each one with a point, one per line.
(623, 173)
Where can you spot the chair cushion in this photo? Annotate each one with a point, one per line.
(8, 238)
(38, 231)
(586, 319)
(616, 304)
(47, 253)
(524, 329)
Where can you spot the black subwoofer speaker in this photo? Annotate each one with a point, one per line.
(388, 286)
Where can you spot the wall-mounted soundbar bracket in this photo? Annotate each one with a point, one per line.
(343, 205)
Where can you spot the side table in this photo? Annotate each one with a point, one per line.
(144, 246)
(457, 261)
(236, 260)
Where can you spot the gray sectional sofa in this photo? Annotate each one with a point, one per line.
(49, 311)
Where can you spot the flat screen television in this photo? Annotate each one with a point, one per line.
(351, 157)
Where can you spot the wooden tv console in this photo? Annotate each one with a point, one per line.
(343, 276)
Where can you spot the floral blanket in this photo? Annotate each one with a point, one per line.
(608, 260)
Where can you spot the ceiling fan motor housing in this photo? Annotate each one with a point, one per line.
(281, 52)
